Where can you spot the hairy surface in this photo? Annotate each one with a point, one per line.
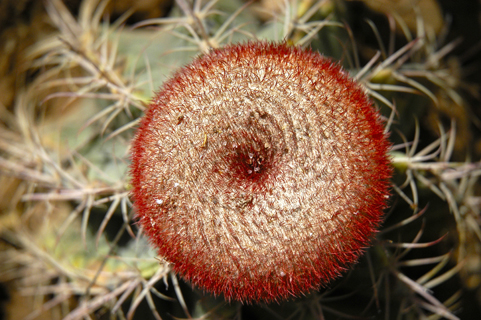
(260, 171)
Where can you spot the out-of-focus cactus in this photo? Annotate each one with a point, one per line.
(71, 241)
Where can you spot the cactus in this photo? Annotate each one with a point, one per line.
(75, 246)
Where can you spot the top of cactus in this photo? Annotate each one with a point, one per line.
(260, 171)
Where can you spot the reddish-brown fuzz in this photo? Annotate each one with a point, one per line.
(260, 171)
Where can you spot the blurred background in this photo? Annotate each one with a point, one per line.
(76, 75)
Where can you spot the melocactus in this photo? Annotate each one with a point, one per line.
(260, 171)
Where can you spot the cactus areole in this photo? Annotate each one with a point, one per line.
(260, 171)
